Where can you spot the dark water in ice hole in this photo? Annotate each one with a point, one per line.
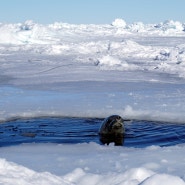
(79, 130)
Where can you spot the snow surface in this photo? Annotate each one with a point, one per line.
(134, 70)
(91, 164)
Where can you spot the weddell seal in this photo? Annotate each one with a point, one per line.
(112, 130)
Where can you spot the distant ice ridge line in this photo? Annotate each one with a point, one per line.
(30, 32)
(110, 47)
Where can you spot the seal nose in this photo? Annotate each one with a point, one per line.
(117, 125)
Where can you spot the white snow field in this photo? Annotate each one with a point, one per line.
(134, 70)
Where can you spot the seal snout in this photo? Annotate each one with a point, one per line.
(118, 126)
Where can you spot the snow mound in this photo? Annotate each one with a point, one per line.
(12, 173)
(132, 176)
(112, 63)
(171, 25)
(163, 179)
(119, 23)
(137, 27)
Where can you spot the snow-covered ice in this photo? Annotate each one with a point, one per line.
(91, 163)
(134, 70)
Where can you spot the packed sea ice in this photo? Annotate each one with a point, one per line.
(134, 70)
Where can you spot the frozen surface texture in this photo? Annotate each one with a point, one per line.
(134, 70)
(92, 164)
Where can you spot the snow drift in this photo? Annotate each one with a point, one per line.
(92, 164)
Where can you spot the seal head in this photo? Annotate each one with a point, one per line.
(112, 130)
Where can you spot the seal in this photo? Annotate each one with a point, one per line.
(112, 130)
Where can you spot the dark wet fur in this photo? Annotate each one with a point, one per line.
(112, 130)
